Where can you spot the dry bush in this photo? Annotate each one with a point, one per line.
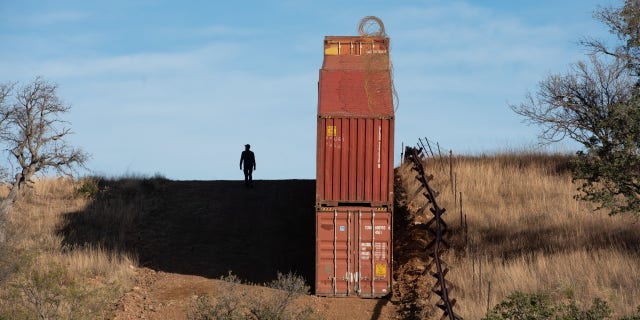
(525, 232)
(49, 290)
(229, 302)
(276, 300)
(279, 304)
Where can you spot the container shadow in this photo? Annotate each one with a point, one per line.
(204, 228)
(377, 311)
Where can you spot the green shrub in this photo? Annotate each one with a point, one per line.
(598, 311)
(88, 188)
(523, 306)
(533, 306)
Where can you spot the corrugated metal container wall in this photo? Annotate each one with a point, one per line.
(353, 252)
(355, 123)
(355, 161)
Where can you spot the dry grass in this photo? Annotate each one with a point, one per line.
(525, 232)
(93, 273)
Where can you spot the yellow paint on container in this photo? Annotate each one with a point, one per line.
(331, 50)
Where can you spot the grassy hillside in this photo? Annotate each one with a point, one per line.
(41, 277)
(525, 232)
(77, 248)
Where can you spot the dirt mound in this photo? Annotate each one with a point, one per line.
(412, 281)
(187, 234)
(161, 295)
(208, 228)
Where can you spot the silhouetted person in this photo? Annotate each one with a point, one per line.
(249, 161)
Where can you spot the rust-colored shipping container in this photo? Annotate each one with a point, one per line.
(353, 255)
(355, 123)
(354, 177)
(355, 161)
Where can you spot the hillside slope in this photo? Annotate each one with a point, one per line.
(190, 233)
(149, 247)
(515, 226)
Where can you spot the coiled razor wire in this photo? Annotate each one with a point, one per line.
(372, 26)
(367, 27)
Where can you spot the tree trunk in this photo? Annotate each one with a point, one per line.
(5, 207)
(3, 222)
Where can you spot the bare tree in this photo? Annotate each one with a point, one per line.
(33, 132)
(579, 104)
(5, 90)
(624, 23)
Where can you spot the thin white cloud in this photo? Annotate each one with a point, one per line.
(462, 35)
(140, 64)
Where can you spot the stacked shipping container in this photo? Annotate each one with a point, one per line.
(354, 177)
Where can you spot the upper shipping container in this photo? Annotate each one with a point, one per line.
(355, 79)
(355, 123)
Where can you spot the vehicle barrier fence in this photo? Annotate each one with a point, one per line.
(437, 227)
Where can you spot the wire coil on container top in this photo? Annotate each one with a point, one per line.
(372, 26)
(367, 27)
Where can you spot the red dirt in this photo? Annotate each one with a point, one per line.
(160, 295)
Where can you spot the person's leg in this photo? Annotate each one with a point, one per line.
(247, 175)
(250, 177)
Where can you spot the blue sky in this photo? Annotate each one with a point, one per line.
(178, 87)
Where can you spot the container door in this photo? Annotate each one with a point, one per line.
(374, 261)
(353, 254)
(332, 253)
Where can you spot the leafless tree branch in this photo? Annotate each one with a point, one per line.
(575, 104)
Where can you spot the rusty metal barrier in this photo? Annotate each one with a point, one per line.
(438, 229)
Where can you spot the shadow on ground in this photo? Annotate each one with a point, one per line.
(204, 228)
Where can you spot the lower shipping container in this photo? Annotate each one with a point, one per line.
(353, 252)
